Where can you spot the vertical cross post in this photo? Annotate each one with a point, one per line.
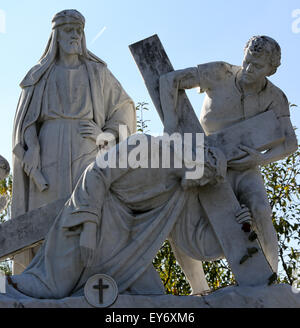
(101, 288)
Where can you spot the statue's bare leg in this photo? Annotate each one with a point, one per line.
(250, 190)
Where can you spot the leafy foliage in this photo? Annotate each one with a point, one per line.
(170, 272)
(282, 184)
(5, 193)
(141, 125)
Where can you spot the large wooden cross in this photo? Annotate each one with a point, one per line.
(219, 202)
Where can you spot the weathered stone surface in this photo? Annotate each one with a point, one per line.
(27, 229)
(234, 242)
(220, 203)
(56, 134)
(235, 94)
(259, 132)
(275, 296)
(152, 61)
(117, 219)
(101, 291)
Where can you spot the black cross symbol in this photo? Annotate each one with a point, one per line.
(101, 287)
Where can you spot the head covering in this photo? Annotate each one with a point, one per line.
(68, 17)
(48, 58)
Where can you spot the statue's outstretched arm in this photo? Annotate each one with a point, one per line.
(183, 78)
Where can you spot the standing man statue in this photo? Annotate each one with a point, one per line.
(237, 93)
(70, 105)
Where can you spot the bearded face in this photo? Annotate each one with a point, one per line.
(69, 38)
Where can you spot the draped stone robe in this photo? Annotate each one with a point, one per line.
(135, 210)
(56, 104)
(64, 152)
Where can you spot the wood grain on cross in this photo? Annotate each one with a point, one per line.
(27, 230)
(219, 202)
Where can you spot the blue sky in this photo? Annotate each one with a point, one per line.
(192, 32)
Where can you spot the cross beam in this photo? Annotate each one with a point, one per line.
(28, 229)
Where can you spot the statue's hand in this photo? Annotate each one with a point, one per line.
(89, 129)
(87, 243)
(251, 159)
(31, 159)
(244, 217)
(105, 140)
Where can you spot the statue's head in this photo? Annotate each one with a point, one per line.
(68, 36)
(262, 56)
(70, 31)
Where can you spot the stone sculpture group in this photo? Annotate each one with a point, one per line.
(117, 216)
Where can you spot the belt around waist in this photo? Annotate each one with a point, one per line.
(66, 119)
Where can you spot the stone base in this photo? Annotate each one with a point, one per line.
(275, 296)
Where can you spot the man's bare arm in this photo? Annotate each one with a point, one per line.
(254, 158)
(184, 78)
(284, 149)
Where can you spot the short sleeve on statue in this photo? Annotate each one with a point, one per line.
(211, 74)
(280, 103)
